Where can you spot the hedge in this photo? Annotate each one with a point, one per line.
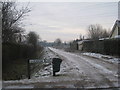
(14, 60)
(12, 51)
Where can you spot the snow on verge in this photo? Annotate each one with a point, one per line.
(105, 57)
(19, 87)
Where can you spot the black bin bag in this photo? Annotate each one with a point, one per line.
(56, 65)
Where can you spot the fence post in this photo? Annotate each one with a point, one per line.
(28, 67)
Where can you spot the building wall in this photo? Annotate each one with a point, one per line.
(80, 47)
(115, 33)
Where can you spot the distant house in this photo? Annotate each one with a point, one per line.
(115, 33)
(80, 44)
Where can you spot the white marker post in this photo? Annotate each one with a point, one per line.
(32, 61)
(28, 69)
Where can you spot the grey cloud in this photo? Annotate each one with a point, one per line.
(58, 16)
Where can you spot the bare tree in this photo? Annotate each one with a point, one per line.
(33, 38)
(58, 41)
(96, 32)
(105, 33)
(11, 20)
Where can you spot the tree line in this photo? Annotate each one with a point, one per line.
(12, 31)
(17, 47)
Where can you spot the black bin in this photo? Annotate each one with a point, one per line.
(56, 65)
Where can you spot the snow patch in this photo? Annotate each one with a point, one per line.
(98, 66)
(19, 87)
(104, 57)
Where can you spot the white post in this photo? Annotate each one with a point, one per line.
(28, 67)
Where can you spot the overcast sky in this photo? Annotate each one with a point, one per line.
(67, 20)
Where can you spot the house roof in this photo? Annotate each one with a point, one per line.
(117, 23)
